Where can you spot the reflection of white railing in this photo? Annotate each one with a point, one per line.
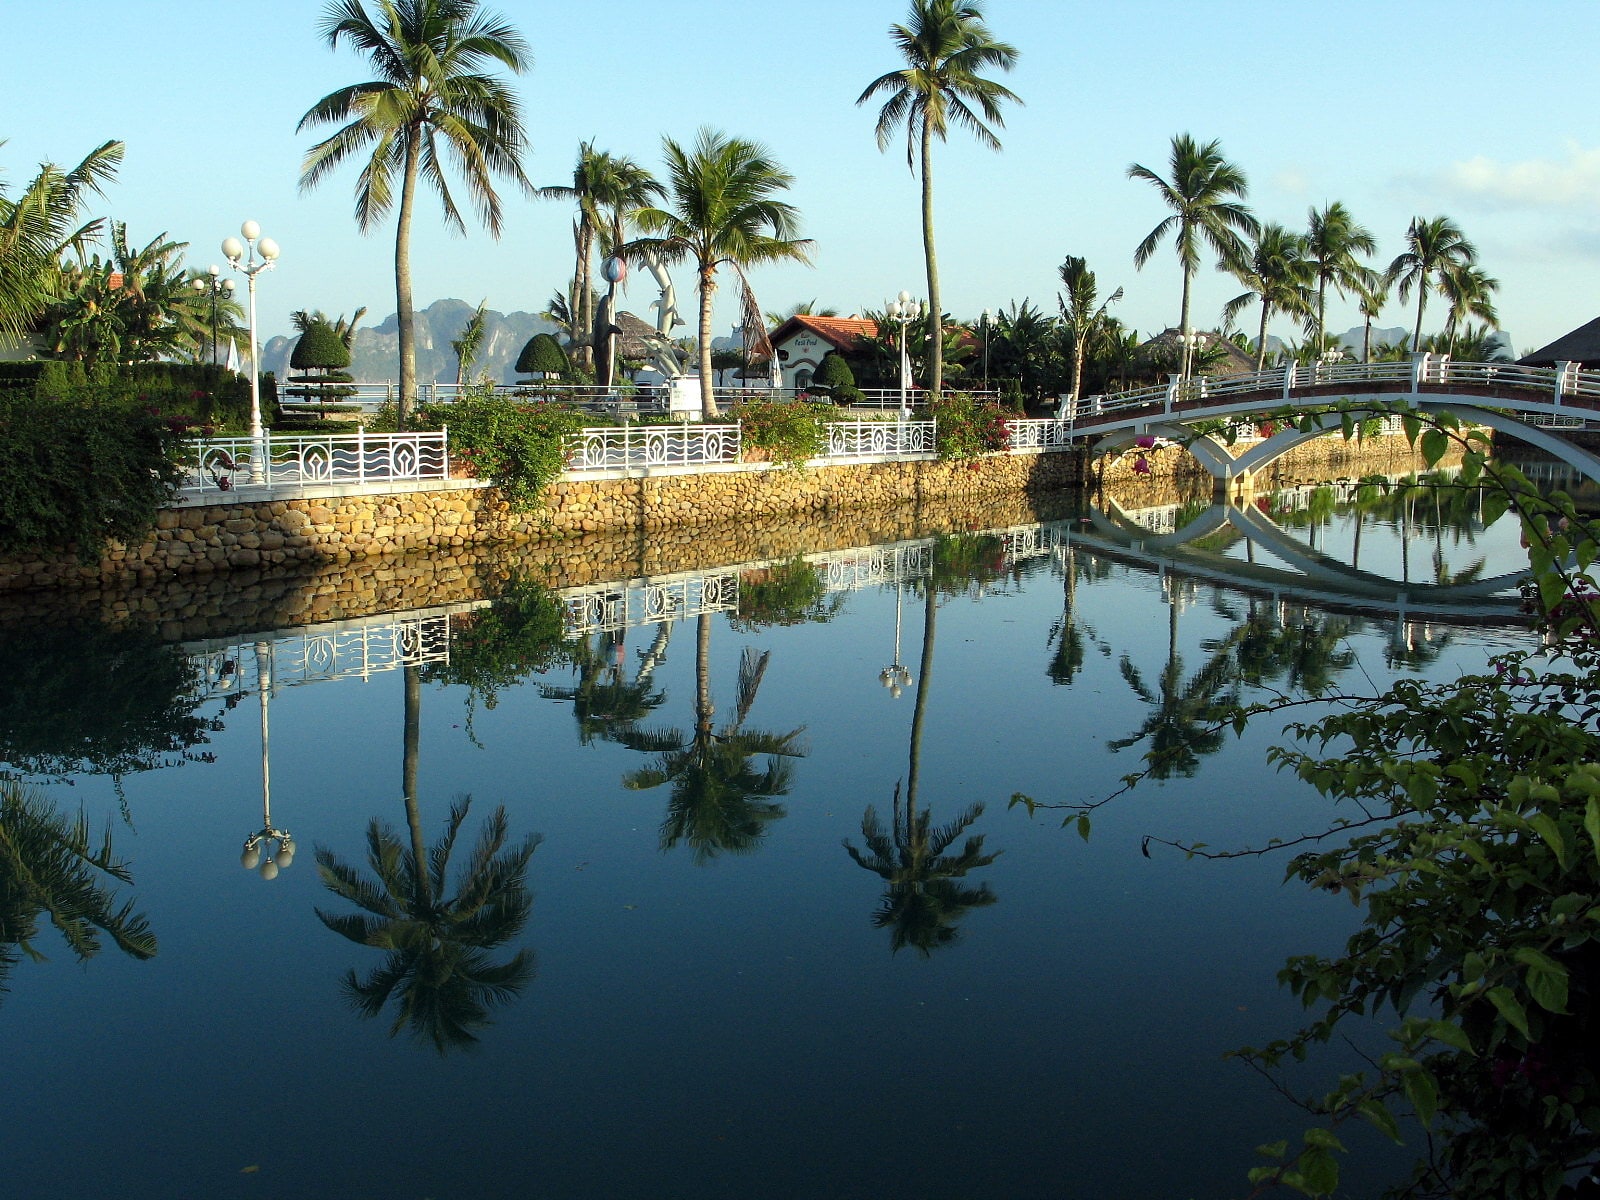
(354, 650)
(879, 439)
(850, 570)
(625, 606)
(685, 445)
(216, 465)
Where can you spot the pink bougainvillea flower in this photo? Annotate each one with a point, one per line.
(1141, 465)
(1145, 441)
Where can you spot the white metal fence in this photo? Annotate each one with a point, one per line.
(879, 439)
(215, 465)
(616, 446)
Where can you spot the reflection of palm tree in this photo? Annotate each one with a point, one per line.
(720, 802)
(1067, 633)
(1182, 723)
(438, 967)
(606, 702)
(1307, 654)
(924, 901)
(48, 867)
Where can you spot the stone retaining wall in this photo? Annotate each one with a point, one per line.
(291, 535)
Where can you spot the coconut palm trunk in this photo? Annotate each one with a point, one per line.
(931, 260)
(405, 314)
(408, 778)
(708, 396)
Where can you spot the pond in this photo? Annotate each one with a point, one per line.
(788, 935)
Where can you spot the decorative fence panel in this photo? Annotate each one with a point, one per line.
(685, 445)
(355, 650)
(1037, 433)
(628, 606)
(879, 439)
(217, 465)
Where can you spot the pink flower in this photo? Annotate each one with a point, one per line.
(1141, 465)
(1145, 441)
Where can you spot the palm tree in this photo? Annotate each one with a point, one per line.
(50, 867)
(432, 99)
(1198, 193)
(720, 803)
(1470, 291)
(1372, 293)
(1332, 242)
(1079, 313)
(1433, 246)
(39, 226)
(469, 344)
(945, 44)
(723, 211)
(437, 932)
(1278, 274)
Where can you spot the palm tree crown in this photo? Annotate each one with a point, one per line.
(1433, 246)
(723, 210)
(1333, 239)
(946, 46)
(1277, 272)
(432, 99)
(1202, 194)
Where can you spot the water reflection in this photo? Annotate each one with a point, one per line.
(606, 702)
(51, 869)
(721, 803)
(437, 932)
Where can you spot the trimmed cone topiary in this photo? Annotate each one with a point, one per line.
(542, 355)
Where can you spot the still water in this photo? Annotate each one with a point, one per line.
(787, 936)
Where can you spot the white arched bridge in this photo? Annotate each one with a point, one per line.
(1541, 406)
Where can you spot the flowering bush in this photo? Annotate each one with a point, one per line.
(968, 427)
(518, 446)
(791, 433)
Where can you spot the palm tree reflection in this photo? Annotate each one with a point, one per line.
(925, 899)
(50, 867)
(720, 803)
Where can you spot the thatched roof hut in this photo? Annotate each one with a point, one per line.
(1582, 345)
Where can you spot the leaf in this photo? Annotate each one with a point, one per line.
(1450, 1034)
(1378, 1114)
(1545, 826)
(1434, 444)
(1591, 823)
(1083, 826)
(1412, 425)
(1546, 978)
(1510, 1008)
(1319, 1171)
(1423, 1094)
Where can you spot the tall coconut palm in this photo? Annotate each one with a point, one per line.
(1470, 291)
(1332, 241)
(946, 45)
(432, 99)
(50, 867)
(1278, 273)
(1203, 193)
(1080, 314)
(437, 931)
(724, 211)
(38, 226)
(1372, 293)
(1433, 246)
(468, 344)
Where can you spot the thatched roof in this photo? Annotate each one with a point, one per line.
(1167, 346)
(637, 336)
(1582, 345)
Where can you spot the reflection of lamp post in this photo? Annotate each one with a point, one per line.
(234, 251)
(903, 311)
(895, 676)
(222, 287)
(987, 317)
(258, 852)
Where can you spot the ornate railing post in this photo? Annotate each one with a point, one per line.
(1173, 383)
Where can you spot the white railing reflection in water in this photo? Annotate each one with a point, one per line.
(223, 464)
(851, 570)
(350, 652)
(878, 439)
(685, 445)
(612, 607)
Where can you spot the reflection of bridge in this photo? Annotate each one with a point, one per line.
(1536, 405)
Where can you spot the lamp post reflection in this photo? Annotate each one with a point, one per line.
(896, 676)
(268, 849)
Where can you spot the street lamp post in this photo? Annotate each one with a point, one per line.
(217, 287)
(903, 311)
(234, 251)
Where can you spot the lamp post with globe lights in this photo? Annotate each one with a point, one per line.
(988, 318)
(209, 282)
(904, 310)
(259, 853)
(254, 255)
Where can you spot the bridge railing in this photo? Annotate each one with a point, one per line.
(217, 465)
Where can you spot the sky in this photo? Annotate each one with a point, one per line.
(1396, 109)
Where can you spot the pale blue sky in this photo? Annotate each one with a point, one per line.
(1401, 108)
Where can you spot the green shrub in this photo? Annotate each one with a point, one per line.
(543, 355)
(790, 593)
(967, 427)
(76, 473)
(1011, 396)
(517, 446)
(498, 647)
(836, 380)
(791, 433)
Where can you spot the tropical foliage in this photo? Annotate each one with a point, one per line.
(1435, 247)
(432, 98)
(787, 432)
(518, 446)
(946, 46)
(724, 211)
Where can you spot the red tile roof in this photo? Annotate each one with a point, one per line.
(842, 333)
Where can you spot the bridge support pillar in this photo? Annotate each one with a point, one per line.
(1237, 489)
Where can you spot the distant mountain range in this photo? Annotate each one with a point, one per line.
(375, 355)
